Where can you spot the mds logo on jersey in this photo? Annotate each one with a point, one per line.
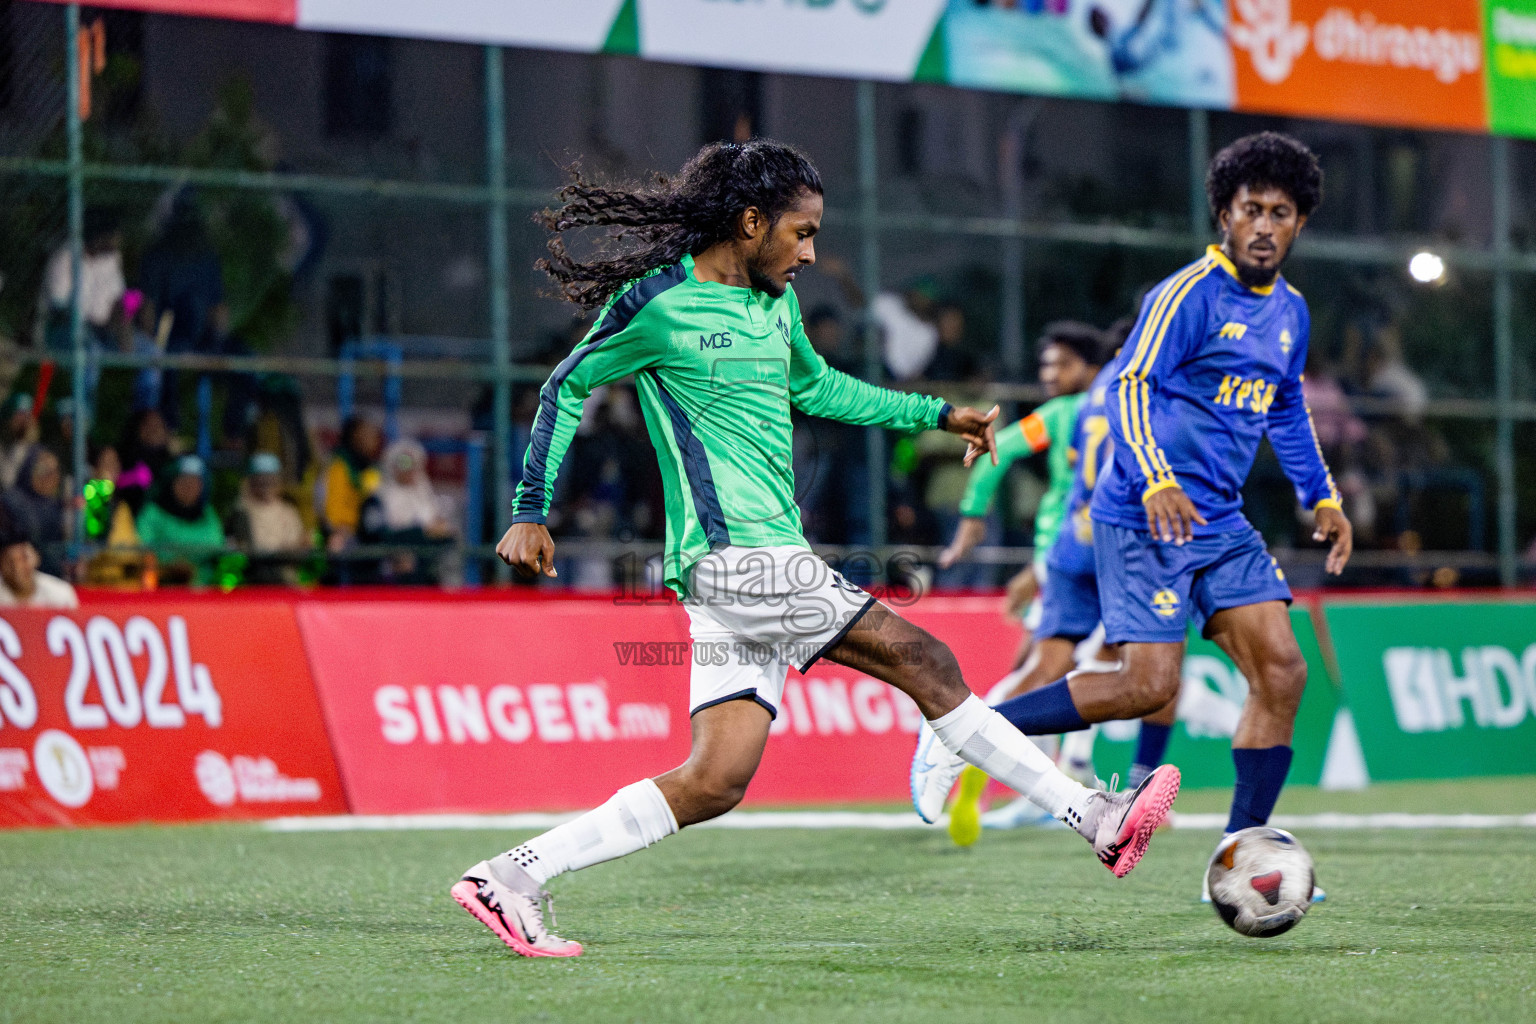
(1166, 603)
(1233, 330)
(720, 339)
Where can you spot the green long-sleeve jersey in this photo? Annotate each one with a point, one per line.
(1049, 426)
(717, 369)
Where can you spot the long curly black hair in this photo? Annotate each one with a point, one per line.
(1266, 158)
(655, 225)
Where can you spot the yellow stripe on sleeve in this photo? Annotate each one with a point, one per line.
(1333, 492)
(1136, 412)
(1129, 404)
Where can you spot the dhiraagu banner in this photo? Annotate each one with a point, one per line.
(1439, 689)
(1210, 703)
(1510, 36)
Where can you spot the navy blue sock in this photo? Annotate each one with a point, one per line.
(1044, 711)
(1260, 777)
(1151, 745)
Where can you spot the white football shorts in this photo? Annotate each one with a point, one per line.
(754, 612)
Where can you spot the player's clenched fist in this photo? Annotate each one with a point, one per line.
(528, 548)
(1171, 516)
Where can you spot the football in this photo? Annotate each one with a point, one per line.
(1261, 881)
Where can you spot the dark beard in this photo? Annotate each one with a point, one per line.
(759, 280)
(1256, 277)
(764, 283)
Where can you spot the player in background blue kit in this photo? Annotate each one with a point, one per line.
(1213, 365)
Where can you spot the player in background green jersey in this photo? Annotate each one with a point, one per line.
(1070, 354)
(694, 287)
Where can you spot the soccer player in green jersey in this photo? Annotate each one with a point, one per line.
(696, 303)
(1070, 354)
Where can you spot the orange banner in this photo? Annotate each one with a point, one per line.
(1417, 62)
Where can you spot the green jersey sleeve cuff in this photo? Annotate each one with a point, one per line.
(944, 411)
(529, 517)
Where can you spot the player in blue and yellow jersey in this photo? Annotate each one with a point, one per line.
(1213, 365)
(1066, 634)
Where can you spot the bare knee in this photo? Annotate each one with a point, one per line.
(710, 793)
(937, 685)
(1282, 679)
(1154, 686)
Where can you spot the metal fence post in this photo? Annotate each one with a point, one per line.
(869, 229)
(1199, 156)
(501, 299)
(1503, 364)
(76, 187)
(1010, 160)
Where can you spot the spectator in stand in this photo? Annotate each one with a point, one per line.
(100, 491)
(908, 321)
(145, 450)
(23, 586)
(350, 479)
(266, 522)
(405, 510)
(18, 436)
(831, 478)
(1388, 375)
(178, 517)
(145, 337)
(181, 275)
(1338, 428)
(954, 360)
(35, 511)
(1341, 435)
(101, 285)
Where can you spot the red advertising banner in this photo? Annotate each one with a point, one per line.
(152, 711)
(438, 706)
(283, 12)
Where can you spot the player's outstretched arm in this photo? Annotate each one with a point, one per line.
(1333, 527)
(529, 549)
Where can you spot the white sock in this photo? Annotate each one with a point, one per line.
(987, 740)
(633, 818)
(1003, 690)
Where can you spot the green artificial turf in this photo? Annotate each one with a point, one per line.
(217, 923)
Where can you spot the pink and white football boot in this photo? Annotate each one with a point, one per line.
(1120, 825)
(517, 918)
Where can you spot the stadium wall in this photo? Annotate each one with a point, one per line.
(184, 708)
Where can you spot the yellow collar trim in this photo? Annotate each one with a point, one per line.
(1215, 253)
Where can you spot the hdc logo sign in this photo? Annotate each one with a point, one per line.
(1493, 689)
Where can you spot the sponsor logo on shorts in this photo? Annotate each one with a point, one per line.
(1166, 603)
